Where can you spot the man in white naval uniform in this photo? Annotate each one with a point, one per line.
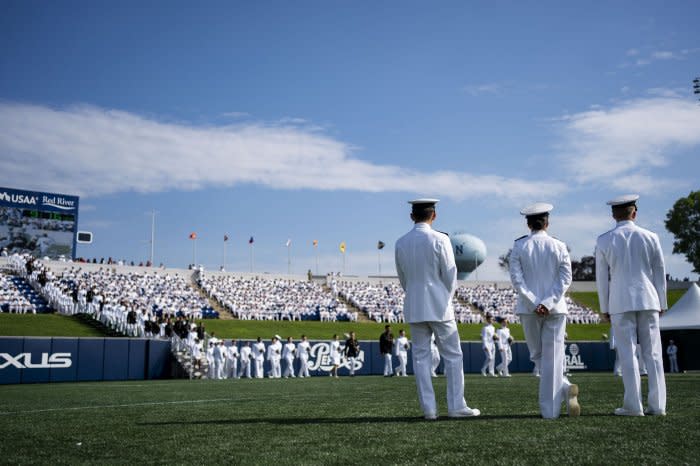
(246, 360)
(274, 355)
(487, 344)
(504, 340)
(232, 360)
(402, 346)
(303, 349)
(540, 271)
(259, 358)
(427, 272)
(632, 299)
(288, 355)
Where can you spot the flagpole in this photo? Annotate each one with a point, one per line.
(153, 233)
(194, 252)
(289, 259)
(224, 264)
(251, 257)
(379, 261)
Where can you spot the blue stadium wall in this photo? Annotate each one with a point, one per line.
(39, 360)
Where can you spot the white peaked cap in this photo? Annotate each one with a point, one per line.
(624, 199)
(537, 209)
(424, 200)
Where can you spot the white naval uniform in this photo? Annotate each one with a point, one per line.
(218, 357)
(274, 355)
(303, 355)
(288, 356)
(259, 358)
(335, 354)
(489, 347)
(503, 335)
(540, 270)
(633, 297)
(402, 346)
(427, 272)
(246, 353)
(232, 364)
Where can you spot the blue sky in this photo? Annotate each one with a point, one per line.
(319, 120)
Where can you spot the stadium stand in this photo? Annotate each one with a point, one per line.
(260, 298)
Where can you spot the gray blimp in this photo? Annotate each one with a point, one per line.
(470, 253)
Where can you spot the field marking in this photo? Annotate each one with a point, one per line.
(129, 405)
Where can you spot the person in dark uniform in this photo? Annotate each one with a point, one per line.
(386, 346)
(352, 351)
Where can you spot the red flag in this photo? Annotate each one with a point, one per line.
(193, 235)
(225, 237)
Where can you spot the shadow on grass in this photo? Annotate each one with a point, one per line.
(334, 420)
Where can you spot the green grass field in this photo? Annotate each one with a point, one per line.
(44, 325)
(590, 298)
(361, 420)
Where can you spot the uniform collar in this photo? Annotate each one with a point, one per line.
(422, 226)
(625, 222)
(539, 233)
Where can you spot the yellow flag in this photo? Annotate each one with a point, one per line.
(342, 247)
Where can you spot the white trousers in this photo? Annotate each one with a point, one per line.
(276, 368)
(388, 369)
(289, 369)
(490, 359)
(232, 370)
(303, 367)
(447, 340)
(245, 368)
(545, 340)
(351, 362)
(403, 360)
(642, 326)
(259, 370)
(436, 361)
(506, 358)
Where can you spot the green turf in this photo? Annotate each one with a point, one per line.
(44, 325)
(361, 420)
(590, 298)
(249, 329)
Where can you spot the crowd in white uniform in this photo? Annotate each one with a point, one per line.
(383, 302)
(110, 296)
(12, 299)
(258, 298)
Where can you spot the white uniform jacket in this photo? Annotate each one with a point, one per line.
(540, 270)
(259, 351)
(503, 337)
(636, 269)
(425, 264)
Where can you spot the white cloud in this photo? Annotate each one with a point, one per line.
(480, 89)
(93, 151)
(666, 92)
(664, 55)
(621, 145)
(632, 52)
(236, 114)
